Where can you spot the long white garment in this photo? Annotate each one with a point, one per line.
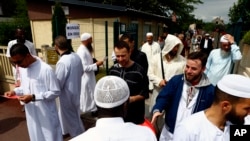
(42, 116)
(69, 71)
(170, 68)
(87, 103)
(150, 51)
(114, 129)
(198, 128)
(218, 66)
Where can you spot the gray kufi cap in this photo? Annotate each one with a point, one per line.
(236, 85)
(110, 92)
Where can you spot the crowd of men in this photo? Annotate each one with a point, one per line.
(186, 85)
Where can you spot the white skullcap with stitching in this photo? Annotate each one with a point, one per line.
(224, 39)
(149, 34)
(85, 36)
(110, 92)
(236, 85)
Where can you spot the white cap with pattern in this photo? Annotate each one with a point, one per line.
(110, 92)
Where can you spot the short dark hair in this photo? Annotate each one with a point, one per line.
(223, 96)
(198, 55)
(121, 44)
(61, 42)
(20, 49)
(127, 36)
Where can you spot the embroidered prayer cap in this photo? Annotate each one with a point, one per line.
(224, 39)
(149, 34)
(236, 85)
(110, 92)
(85, 36)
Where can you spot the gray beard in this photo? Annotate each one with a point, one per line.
(224, 54)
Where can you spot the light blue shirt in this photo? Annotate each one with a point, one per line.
(217, 66)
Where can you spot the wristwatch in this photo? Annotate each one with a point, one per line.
(33, 97)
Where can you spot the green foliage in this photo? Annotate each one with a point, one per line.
(246, 38)
(19, 17)
(7, 30)
(240, 10)
(7, 7)
(58, 21)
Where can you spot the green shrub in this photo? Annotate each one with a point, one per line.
(246, 38)
(7, 30)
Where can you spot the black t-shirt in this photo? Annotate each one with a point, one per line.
(137, 81)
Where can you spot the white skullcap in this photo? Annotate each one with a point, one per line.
(110, 92)
(85, 36)
(236, 85)
(223, 39)
(149, 34)
(206, 34)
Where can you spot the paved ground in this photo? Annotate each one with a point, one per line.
(13, 122)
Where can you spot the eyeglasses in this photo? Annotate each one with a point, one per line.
(18, 62)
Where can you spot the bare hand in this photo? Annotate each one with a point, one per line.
(25, 98)
(99, 63)
(155, 116)
(230, 38)
(9, 93)
(163, 83)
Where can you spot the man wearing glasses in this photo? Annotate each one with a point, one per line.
(38, 89)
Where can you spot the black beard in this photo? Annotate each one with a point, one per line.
(172, 54)
(233, 118)
(90, 48)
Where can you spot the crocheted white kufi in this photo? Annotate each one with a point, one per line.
(85, 36)
(149, 34)
(236, 85)
(223, 39)
(110, 92)
(206, 34)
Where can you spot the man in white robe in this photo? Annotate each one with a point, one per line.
(87, 103)
(230, 106)
(150, 48)
(69, 71)
(39, 89)
(165, 65)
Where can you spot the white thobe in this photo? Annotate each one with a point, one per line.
(198, 128)
(170, 68)
(69, 71)
(114, 129)
(42, 116)
(87, 103)
(150, 51)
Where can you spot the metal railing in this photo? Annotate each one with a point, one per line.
(6, 73)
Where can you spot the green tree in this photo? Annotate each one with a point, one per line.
(240, 10)
(17, 10)
(59, 22)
